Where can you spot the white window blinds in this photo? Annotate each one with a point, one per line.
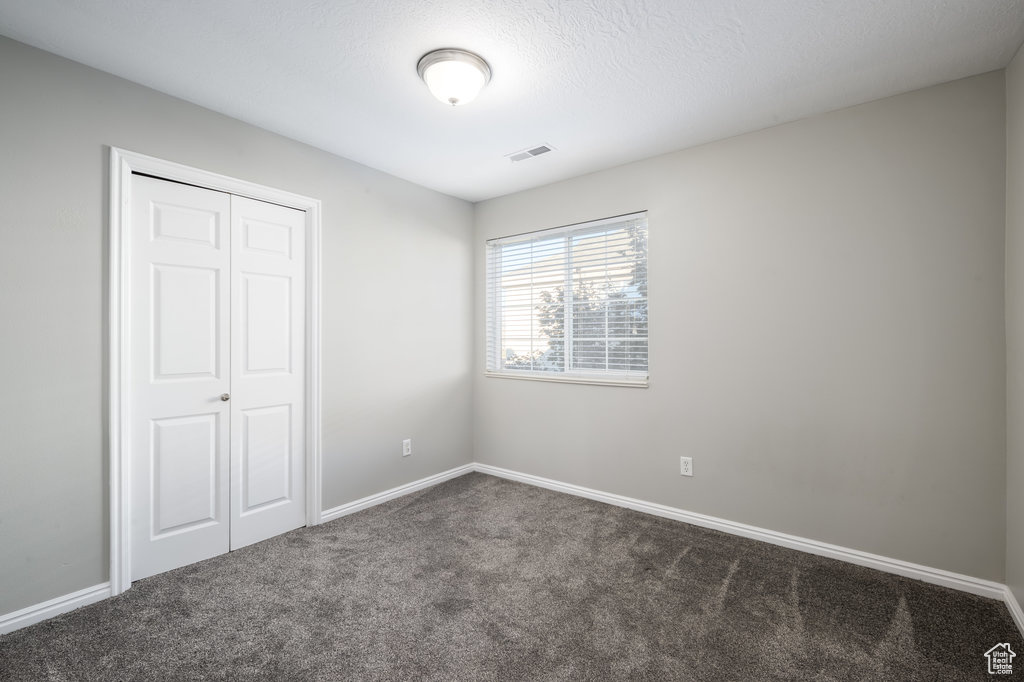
(570, 302)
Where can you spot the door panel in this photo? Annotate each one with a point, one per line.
(185, 224)
(266, 456)
(186, 333)
(268, 371)
(266, 318)
(272, 238)
(179, 357)
(184, 464)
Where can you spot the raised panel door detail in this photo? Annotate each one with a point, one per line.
(267, 238)
(268, 478)
(266, 456)
(184, 470)
(181, 223)
(266, 305)
(184, 310)
(179, 440)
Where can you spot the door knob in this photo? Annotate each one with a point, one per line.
(225, 397)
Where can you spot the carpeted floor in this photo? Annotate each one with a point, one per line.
(481, 578)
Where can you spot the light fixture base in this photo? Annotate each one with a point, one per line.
(456, 83)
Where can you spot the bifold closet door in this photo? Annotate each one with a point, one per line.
(217, 373)
(180, 329)
(268, 482)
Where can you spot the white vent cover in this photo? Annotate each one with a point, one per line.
(530, 153)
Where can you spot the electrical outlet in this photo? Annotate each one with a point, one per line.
(686, 466)
(406, 447)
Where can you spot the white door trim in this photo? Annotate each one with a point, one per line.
(122, 164)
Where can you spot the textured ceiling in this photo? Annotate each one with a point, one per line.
(602, 81)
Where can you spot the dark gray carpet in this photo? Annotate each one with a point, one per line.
(485, 579)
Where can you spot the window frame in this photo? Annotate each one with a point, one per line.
(493, 312)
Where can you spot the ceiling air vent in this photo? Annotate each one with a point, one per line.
(530, 153)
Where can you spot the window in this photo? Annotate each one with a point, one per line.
(570, 303)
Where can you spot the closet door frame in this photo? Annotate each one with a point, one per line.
(122, 164)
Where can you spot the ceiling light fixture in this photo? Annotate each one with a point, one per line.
(454, 76)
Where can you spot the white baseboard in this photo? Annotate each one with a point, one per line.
(372, 500)
(1014, 606)
(54, 607)
(985, 588)
(936, 576)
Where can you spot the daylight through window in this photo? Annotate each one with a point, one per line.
(570, 303)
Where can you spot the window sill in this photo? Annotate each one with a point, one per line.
(592, 381)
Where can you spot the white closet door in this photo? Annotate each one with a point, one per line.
(268, 482)
(180, 279)
(218, 351)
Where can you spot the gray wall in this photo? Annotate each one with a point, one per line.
(827, 317)
(394, 367)
(1015, 326)
(827, 332)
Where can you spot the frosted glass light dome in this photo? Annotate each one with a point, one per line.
(454, 76)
